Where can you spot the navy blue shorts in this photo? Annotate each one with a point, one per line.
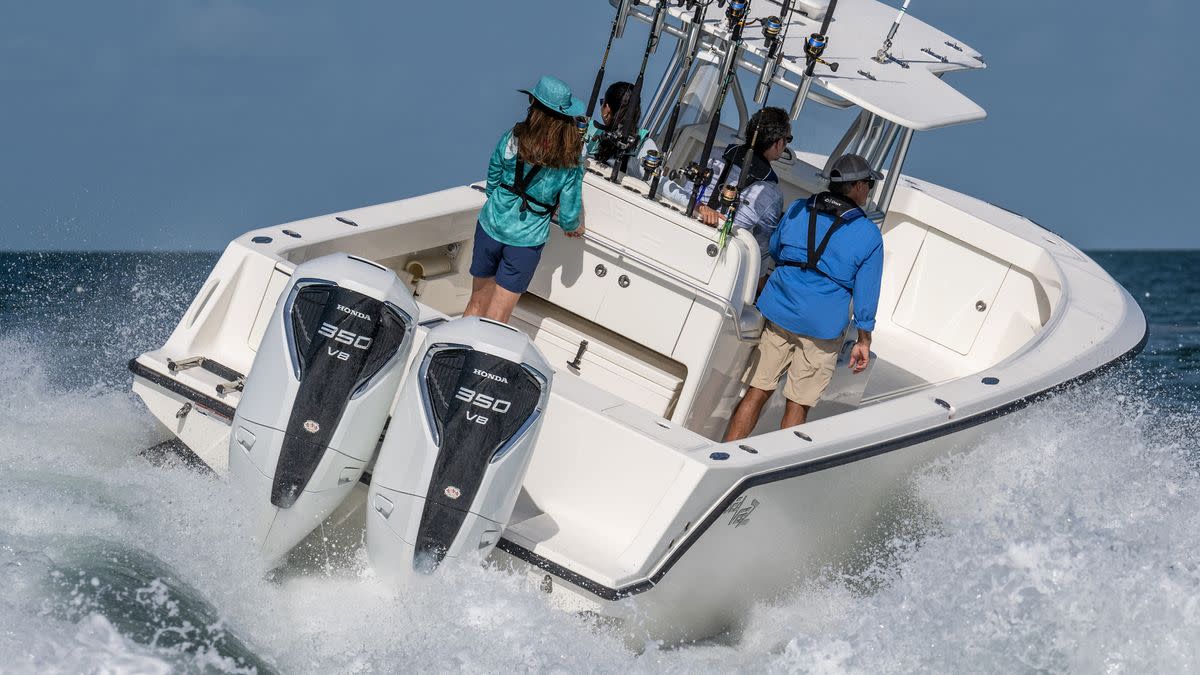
(513, 266)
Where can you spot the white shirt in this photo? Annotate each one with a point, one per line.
(759, 212)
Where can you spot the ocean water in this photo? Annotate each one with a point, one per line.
(1064, 541)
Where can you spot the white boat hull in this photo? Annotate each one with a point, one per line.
(631, 506)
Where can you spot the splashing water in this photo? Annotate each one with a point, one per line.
(1064, 541)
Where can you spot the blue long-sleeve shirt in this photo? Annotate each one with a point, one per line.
(502, 217)
(808, 303)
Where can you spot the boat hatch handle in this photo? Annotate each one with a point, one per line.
(578, 361)
(990, 380)
(232, 385)
(347, 221)
(949, 408)
(184, 364)
(183, 410)
(803, 436)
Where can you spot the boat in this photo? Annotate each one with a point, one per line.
(627, 503)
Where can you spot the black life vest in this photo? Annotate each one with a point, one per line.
(843, 211)
(520, 188)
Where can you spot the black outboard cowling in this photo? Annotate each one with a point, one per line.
(317, 398)
(456, 452)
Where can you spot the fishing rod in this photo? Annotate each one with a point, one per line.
(731, 194)
(698, 172)
(625, 135)
(814, 49)
(772, 25)
(618, 28)
(885, 52)
(692, 49)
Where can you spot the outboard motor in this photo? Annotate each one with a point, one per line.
(458, 447)
(317, 398)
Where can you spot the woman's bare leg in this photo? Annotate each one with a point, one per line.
(500, 308)
(482, 290)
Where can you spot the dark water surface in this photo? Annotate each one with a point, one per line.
(1064, 542)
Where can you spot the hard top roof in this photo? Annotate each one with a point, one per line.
(914, 97)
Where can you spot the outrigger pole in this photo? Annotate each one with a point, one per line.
(772, 25)
(693, 48)
(814, 48)
(626, 133)
(698, 172)
(885, 52)
(618, 28)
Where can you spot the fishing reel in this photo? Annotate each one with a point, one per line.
(814, 46)
(651, 163)
(736, 13)
(624, 143)
(772, 26)
(693, 173)
(814, 49)
(581, 124)
(728, 195)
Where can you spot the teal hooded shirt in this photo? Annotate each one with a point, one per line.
(502, 217)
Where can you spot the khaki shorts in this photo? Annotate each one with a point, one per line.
(808, 362)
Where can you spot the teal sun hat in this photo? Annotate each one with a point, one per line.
(556, 95)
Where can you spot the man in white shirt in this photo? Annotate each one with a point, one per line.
(761, 200)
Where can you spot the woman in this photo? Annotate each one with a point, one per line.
(534, 171)
(611, 113)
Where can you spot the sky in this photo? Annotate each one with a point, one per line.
(180, 124)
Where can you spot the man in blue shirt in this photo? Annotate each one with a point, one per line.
(828, 253)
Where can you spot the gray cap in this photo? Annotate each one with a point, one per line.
(849, 168)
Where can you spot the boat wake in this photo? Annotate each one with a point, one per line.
(1063, 542)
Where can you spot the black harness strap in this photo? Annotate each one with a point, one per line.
(843, 212)
(520, 188)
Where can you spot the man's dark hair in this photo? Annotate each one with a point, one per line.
(617, 92)
(615, 95)
(772, 123)
(842, 188)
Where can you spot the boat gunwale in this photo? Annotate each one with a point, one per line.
(816, 465)
(808, 467)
